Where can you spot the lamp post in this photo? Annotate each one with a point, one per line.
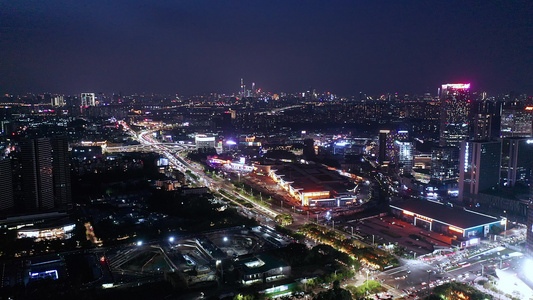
(219, 263)
(367, 280)
(429, 273)
(505, 225)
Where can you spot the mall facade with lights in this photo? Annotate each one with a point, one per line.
(462, 223)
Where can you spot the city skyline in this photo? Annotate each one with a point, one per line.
(256, 150)
(206, 46)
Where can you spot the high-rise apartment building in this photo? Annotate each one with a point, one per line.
(405, 156)
(517, 161)
(388, 148)
(6, 185)
(455, 118)
(384, 146)
(88, 99)
(61, 171)
(37, 177)
(479, 167)
(58, 101)
(445, 164)
(486, 120)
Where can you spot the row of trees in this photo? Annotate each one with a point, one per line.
(372, 256)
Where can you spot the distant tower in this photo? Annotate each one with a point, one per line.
(61, 171)
(384, 154)
(242, 88)
(37, 178)
(455, 118)
(58, 101)
(88, 99)
(6, 185)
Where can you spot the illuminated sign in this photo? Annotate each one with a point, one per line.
(455, 229)
(529, 107)
(474, 241)
(529, 141)
(466, 157)
(424, 218)
(46, 274)
(315, 194)
(456, 85)
(406, 212)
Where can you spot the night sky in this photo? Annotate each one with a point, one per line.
(196, 46)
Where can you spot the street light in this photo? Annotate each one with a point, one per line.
(171, 239)
(219, 263)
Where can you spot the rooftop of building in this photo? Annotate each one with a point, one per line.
(314, 177)
(455, 216)
(259, 263)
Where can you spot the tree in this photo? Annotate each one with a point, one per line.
(284, 219)
(336, 293)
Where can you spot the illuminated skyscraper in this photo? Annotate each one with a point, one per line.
(405, 155)
(455, 118)
(388, 148)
